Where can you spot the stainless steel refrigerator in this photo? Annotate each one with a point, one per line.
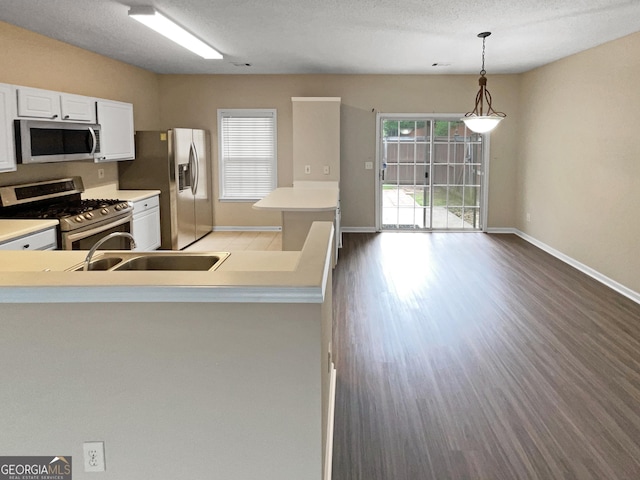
(177, 163)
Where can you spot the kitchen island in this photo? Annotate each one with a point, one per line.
(228, 371)
(301, 205)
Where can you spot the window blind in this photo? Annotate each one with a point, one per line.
(247, 153)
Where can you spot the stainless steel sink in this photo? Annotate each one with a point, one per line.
(170, 262)
(102, 263)
(159, 260)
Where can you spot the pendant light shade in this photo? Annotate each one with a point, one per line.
(482, 124)
(478, 120)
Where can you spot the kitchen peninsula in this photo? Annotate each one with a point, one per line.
(231, 368)
(301, 205)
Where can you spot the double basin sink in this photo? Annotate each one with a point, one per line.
(167, 261)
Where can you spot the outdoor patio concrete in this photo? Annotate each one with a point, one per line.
(400, 211)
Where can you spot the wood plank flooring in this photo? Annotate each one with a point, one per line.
(475, 356)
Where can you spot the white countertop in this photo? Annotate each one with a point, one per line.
(11, 229)
(300, 199)
(275, 277)
(111, 191)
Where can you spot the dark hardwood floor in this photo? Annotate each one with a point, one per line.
(475, 356)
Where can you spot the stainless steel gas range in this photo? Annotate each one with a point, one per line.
(82, 222)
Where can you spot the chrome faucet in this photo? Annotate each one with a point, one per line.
(95, 247)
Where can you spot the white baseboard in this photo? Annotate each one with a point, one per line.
(231, 228)
(502, 230)
(609, 282)
(358, 229)
(328, 458)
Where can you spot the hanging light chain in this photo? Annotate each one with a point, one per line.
(483, 71)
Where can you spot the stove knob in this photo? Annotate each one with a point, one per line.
(124, 205)
(79, 219)
(118, 207)
(104, 211)
(88, 216)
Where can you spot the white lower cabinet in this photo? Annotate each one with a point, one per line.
(146, 223)
(44, 240)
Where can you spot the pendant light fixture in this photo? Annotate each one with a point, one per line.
(478, 120)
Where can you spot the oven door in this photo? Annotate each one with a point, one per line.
(86, 239)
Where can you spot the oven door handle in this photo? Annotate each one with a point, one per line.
(72, 237)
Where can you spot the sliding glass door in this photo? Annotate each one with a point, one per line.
(431, 172)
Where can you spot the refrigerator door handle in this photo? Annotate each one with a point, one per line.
(196, 163)
(192, 172)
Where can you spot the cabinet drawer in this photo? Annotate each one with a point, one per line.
(44, 240)
(146, 204)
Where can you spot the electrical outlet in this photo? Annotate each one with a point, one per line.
(93, 456)
(368, 165)
(326, 170)
(101, 173)
(528, 217)
(307, 169)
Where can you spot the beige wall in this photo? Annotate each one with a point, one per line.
(36, 61)
(193, 100)
(579, 162)
(316, 138)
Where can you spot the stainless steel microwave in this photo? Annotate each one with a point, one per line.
(41, 141)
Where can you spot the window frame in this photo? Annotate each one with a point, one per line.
(248, 113)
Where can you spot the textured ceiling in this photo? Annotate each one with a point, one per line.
(336, 36)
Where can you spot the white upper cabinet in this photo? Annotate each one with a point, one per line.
(46, 104)
(36, 103)
(117, 134)
(77, 108)
(7, 114)
(115, 119)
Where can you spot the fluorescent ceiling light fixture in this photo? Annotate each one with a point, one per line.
(161, 24)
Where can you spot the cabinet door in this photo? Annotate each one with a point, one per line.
(146, 224)
(116, 136)
(37, 103)
(146, 230)
(7, 114)
(77, 108)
